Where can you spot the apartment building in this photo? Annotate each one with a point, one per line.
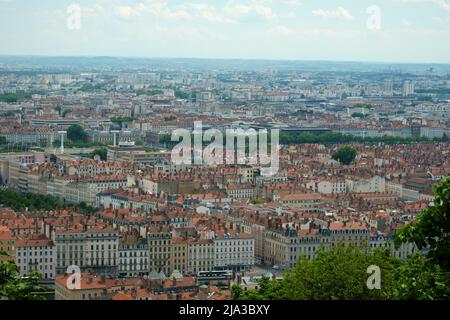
(133, 256)
(304, 200)
(328, 186)
(379, 240)
(7, 244)
(200, 255)
(349, 232)
(233, 250)
(36, 254)
(86, 190)
(160, 250)
(283, 248)
(92, 287)
(240, 191)
(179, 255)
(358, 184)
(94, 249)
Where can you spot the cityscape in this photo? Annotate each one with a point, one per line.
(133, 178)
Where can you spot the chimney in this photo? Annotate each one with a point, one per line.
(174, 282)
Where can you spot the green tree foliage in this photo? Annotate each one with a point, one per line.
(2, 140)
(149, 92)
(432, 228)
(359, 115)
(121, 120)
(14, 97)
(165, 138)
(66, 112)
(181, 95)
(419, 280)
(58, 109)
(364, 105)
(102, 152)
(76, 133)
(335, 137)
(15, 287)
(18, 201)
(79, 144)
(345, 155)
(340, 274)
(268, 290)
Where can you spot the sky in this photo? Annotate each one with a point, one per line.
(346, 30)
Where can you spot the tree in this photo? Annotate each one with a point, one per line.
(102, 152)
(268, 290)
(18, 201)
(15, 287)
(120, 120)
(340, 273)
(58, 109)
(359, 115)
(418, 280)
(431, 229)
(65, 112)
(76, 133)
(345, 155)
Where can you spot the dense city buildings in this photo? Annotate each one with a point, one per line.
(92, 150)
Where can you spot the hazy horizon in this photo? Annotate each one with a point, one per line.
(384, 31)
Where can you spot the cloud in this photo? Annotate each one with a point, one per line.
(156, 8)
(129, 11)
(209, 13)
(291, 2)
(283, 30)
(93, 11)
(338, 13)
(405, 22)
(443, 4)
(235, 11)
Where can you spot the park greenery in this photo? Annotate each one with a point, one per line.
(78, 138)
(171, 118)
(181, 94)
(341, 273)
(434, 91)
(335, 137)
(19, 201)
(101, 152)
(339, 138)
(89, 87)
(79, 144)
(14, 97)
(76, 133)
(363, 105)
(15, 287)
(345, 155)
(148, 92)
(359, 115)
(120, 120)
